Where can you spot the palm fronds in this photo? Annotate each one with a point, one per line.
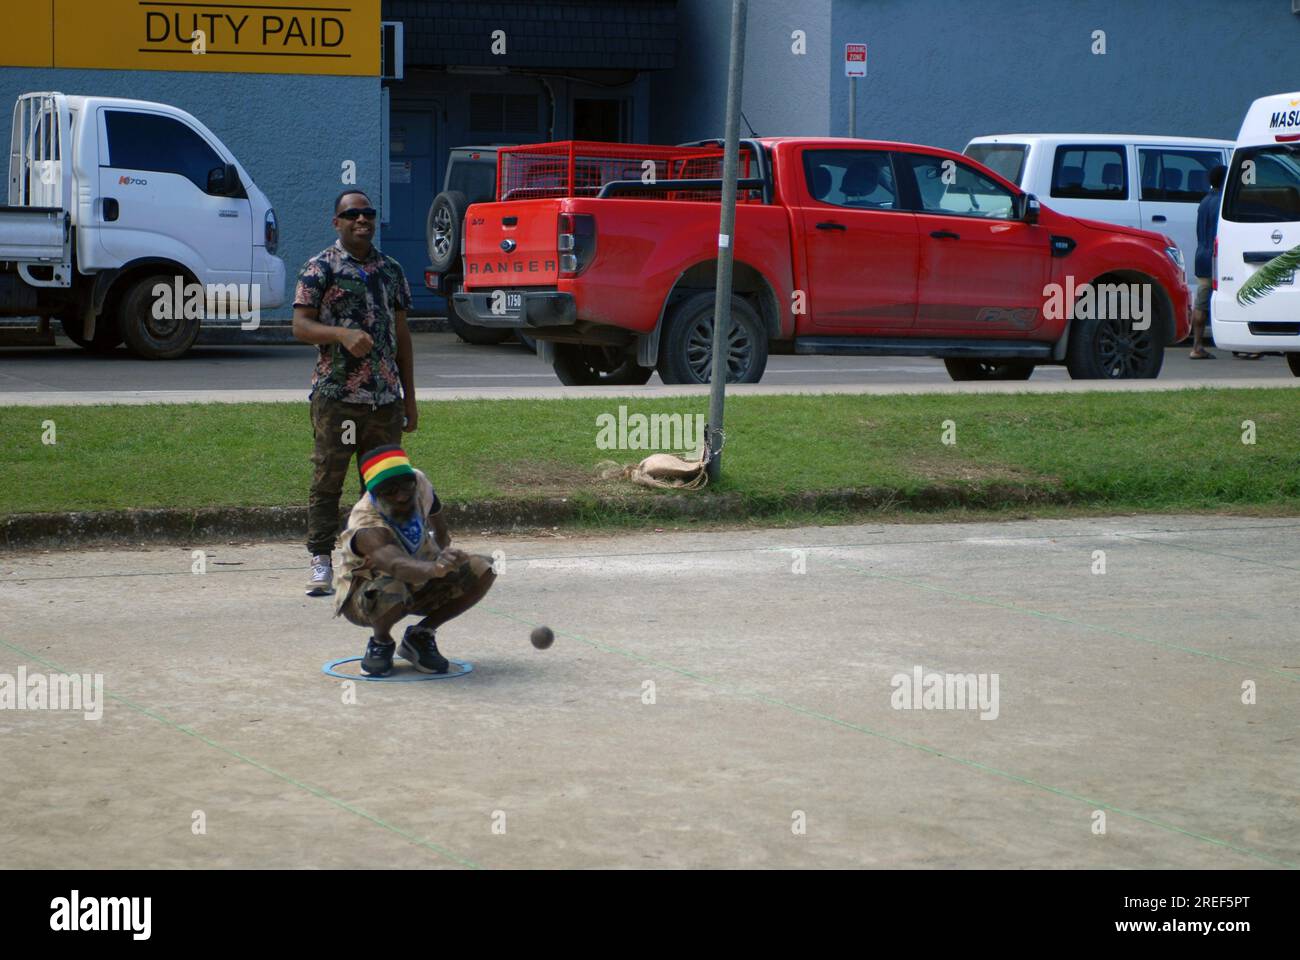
(1268, 277)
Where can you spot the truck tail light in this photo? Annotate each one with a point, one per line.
(272, 234)
(576, 242)
(431, 279)
(1214, 266)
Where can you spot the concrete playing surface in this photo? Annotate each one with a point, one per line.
(1118, 693)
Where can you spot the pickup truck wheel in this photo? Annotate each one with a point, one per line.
(963, 368)
(1111, 349)
(107, 337)
(687, 352)
(583, 365)
(1293, 361)
(480, 336)
(443, 229)
(148, 336)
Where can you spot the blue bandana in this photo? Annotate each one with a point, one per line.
(410, 534)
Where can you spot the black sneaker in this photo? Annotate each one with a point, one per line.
(421, 649)
(378, 661)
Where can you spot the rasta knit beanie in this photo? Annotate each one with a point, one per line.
(383, 464)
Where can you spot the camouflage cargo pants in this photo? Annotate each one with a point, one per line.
(370, 427)
(381, 596)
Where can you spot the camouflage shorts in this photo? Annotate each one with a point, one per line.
(378, 598)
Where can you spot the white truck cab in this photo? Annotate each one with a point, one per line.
(1152, 183)
(111, 199)
(1260, 219)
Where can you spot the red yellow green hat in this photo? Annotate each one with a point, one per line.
(383, 464)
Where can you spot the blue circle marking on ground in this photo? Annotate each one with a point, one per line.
(412, 677)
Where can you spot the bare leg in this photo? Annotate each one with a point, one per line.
(382, 626)
(1198, 333)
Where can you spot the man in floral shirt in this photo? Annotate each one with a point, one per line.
(351, 301)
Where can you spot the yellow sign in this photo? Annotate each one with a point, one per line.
(28, 40)
(336, 37)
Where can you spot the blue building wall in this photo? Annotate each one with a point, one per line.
(944, 71)
(785, 92)
(291, 133)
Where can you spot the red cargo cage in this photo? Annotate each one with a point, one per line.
(581, 168)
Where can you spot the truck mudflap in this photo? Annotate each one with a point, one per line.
(517, 309)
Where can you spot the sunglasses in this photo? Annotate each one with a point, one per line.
(354, 212)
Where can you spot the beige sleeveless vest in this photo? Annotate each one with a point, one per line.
(353, 568)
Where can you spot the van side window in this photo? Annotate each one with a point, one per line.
(1090, 173)
(1178, 176)
(948, 187)
(1266, 191)
(147, 141)
(857, 179)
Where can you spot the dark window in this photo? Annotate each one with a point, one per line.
(520, 112)
(857, 179)
(946, 186)
(604, 120)
(514, 113)
(477, 179)
(1090, 173)
(1181, 176)
(1005, 159)
(147, 141)
(1263, 185)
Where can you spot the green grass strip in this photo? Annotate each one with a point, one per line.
(1166, 451)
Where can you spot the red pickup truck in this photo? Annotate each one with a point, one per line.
(607, 255)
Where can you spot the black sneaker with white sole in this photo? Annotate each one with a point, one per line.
(378, 661)
(420, 647)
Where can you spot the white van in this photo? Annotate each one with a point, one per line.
(113, 201)
(1259, 219)
(1153, 183)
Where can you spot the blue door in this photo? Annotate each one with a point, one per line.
(411, 191)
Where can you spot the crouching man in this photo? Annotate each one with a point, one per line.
(398, 561)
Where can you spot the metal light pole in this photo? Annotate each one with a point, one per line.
(726, 244)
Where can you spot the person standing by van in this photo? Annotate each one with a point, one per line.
(351, 301)
(1207, 224)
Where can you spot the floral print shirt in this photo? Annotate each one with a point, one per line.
(347, 292)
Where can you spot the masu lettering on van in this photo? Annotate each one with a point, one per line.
(1284, 119)
(515, 266)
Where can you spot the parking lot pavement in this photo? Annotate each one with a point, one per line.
(444, 366)
(713, 699)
